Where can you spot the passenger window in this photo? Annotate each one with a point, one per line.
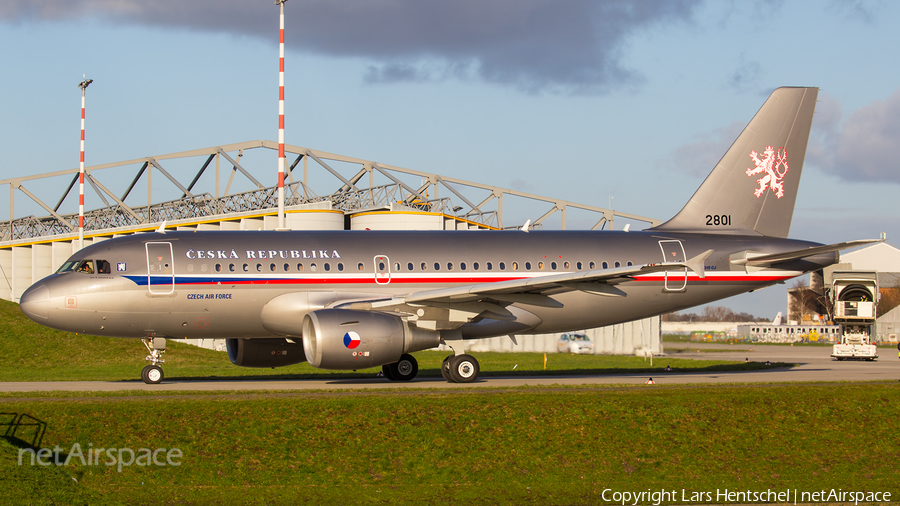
(462, 266)
(340, 267)
(502, 266)
(578, 266)
(437, 266)
(312, 267)
(396, 266)
(515, 266)
(258, 267)
(272, 267)
(618, 264)
(218, 267)
(327, 266)
(629, 264)
(361, 267)
(527, 266)
(490, 266)
(246, 267)
(409, 266)
(541, 266)
(449, 266)
(287, 267)
(553, 266)
(424, 266)
(231, 267)
(299, 267)
(566, 266)
(475, 265)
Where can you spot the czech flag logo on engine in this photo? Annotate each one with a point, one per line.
(351, 340)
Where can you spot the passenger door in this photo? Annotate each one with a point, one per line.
(673, 251)
(382, 270)
(160, 268)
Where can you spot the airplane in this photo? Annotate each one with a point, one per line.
(349, 300)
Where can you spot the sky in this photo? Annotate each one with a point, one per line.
(589, 101)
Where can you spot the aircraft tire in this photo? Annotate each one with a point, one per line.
(152, 374)
(387, 370)
(445, 368)
(406, 368)
(464, 369)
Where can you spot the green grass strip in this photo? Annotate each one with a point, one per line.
(513, 446)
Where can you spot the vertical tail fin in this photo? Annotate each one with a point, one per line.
(753, 188)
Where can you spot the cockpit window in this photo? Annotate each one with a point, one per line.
(85, 266)
(102, 267)
(67, 267)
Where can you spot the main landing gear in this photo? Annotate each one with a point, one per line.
(153, 373)
(403, 370)
(459, 367)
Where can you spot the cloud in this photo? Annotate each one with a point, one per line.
(746, 76)
(571, 47)
(863, 10)
(865, 147)
(698, 158)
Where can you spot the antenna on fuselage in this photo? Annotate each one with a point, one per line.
(526, 226)
(162, 228)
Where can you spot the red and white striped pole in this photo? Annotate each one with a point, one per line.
(281, 225)
(83, 85)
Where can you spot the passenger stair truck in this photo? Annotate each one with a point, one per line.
(854, 295)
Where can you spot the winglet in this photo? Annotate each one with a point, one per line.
(696, 264)
(162, 228)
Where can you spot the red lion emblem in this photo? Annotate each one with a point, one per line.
(769, 165)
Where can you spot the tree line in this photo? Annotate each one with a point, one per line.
(713, 314)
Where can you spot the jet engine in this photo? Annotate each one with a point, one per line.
(264, 352)
(347, 339)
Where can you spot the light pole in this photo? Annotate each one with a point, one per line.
(281, 226)
(83, 85)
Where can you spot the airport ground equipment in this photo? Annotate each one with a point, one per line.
(854, 294)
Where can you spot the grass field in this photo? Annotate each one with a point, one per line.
(519, 446)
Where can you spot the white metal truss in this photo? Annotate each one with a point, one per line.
(475, 202)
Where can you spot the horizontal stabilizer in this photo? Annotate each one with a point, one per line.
(749, 259)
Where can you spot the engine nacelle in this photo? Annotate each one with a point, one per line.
(345, 339)
(264, 352)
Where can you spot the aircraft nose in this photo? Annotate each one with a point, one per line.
(35, 302)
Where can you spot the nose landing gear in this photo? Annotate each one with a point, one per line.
(153, 373)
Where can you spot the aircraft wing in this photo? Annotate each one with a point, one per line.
(751, 260)
(454, 306)
(598, 281)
